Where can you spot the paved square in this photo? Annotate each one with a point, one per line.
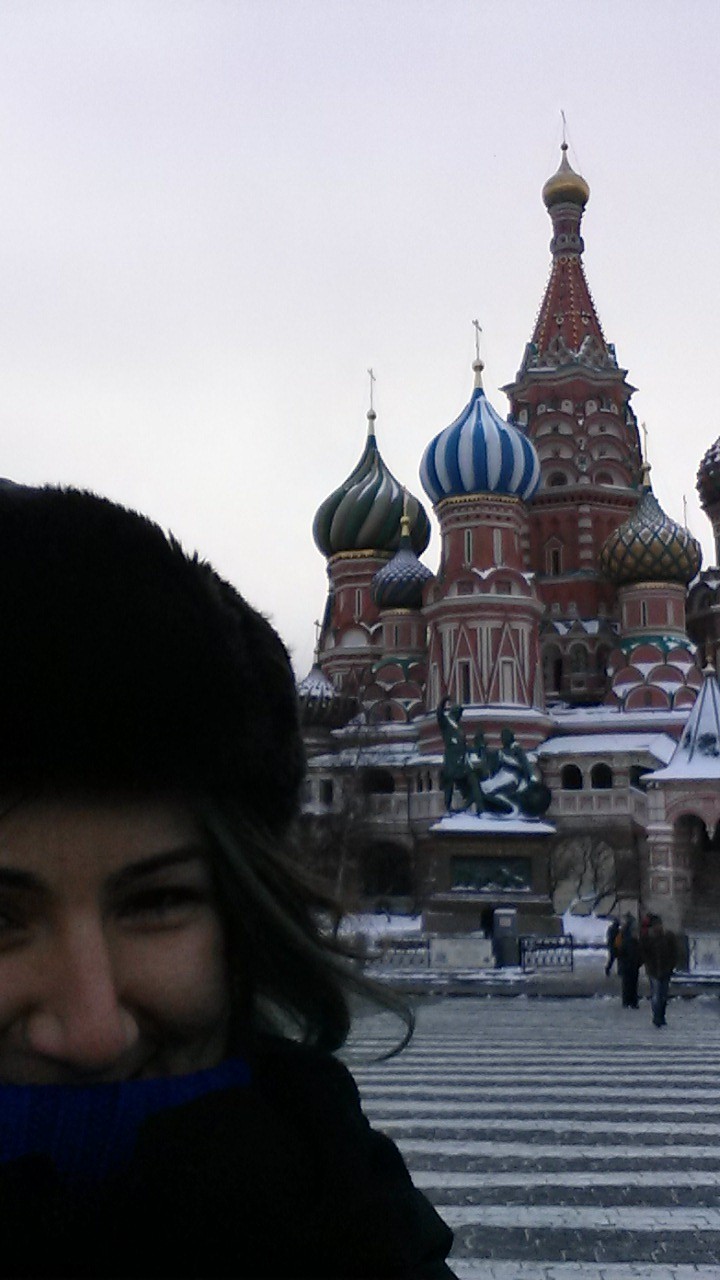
(562, 1139)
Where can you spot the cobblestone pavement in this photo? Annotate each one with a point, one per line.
(560, 1139)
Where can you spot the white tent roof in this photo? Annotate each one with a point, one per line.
(697, 754)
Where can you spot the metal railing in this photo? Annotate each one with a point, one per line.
(547, 953)
(410, 954)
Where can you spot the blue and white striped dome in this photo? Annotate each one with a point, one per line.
(479, 453)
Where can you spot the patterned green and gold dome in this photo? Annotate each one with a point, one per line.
(364, 513)
(650, 547)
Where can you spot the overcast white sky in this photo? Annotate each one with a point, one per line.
(216, 214)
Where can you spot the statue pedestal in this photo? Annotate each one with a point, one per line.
(479, 863)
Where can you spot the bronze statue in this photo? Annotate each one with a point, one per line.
(457, 770)
(503, 782)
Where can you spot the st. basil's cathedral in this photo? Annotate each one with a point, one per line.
(569, 619)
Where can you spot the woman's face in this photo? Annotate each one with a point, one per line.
(112, 963)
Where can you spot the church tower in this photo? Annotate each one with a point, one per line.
(573, 401)
(482, 610)
(650, 559)
(359, 529)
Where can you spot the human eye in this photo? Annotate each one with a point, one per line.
(160, 905)
(14, 923)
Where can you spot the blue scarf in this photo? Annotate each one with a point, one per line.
(90, 1131)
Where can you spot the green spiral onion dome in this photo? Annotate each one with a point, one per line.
(364, 513)
(650, 547)
(399, 584)
(708, 477)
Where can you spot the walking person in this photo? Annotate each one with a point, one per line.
(170, 1103)
(659, 951)
(627, 946)
(610, 937)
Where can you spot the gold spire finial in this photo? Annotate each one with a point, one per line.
(478, 365)
(371, 414)
(372, 381)
(645, 467)
(563, 144)
(318, 628)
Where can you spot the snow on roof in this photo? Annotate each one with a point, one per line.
(479, 824)
(659, 745)
(590, 626)
(316, 684)
(389, 754)
(650, 719)
(697, 754)
(388, 730)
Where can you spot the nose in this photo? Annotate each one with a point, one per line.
(81, 1023)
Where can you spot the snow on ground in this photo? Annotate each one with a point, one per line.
(382, 925)
(586, 930)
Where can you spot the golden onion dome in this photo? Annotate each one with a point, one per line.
(566, 186)
(650, 547)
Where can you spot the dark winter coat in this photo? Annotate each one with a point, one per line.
(628, 951)
(284, 1178)
(659, 952)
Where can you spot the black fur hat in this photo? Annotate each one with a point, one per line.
(126, 663)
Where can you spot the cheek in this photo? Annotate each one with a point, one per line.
(180, 978)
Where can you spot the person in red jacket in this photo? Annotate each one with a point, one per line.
(170, 1105)
(659, 952)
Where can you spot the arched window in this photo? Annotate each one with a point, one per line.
(498, 546)
(604, 477)
(552, 669)
(601, 778)
(464, 691)
(637, 773)
(571, 778)
(690, 834)
(556, 479)
(326, 791)
(554, 558)
(579, 659)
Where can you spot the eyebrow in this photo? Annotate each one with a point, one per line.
(15, 878)
(12, 878)
(157, 862)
